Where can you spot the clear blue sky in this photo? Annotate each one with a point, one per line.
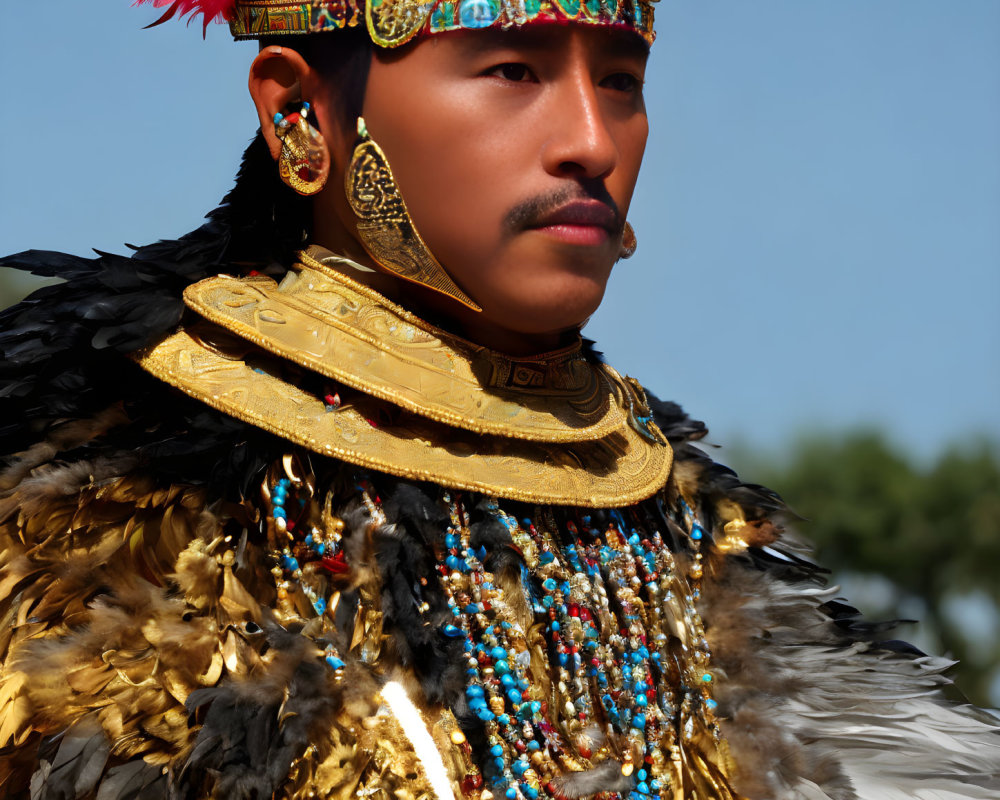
(818, 219)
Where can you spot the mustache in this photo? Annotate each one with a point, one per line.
(533, 211)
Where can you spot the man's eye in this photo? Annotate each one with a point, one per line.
(622, 82)
(518, 73)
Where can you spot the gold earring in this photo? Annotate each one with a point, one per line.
(304, 163)
(629, 242)
(384, 225)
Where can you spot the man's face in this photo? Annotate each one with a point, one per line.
(517, 153)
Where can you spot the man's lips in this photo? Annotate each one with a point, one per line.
(579, 213)
(583, 222)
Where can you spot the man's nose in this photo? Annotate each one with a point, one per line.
(580, 143)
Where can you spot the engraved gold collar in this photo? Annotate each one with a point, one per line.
(322, 320)
(420, 402)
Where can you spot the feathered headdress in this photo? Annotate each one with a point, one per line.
(391, 23)
(218, 10)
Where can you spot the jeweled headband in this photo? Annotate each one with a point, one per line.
(391, 23)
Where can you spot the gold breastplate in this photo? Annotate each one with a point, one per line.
(327, 363)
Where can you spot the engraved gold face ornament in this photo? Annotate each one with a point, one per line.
(385, 228)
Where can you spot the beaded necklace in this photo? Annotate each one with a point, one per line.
(593, 656)
(625, 648)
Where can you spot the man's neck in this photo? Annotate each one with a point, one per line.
(442, 311)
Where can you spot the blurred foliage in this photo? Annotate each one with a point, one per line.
(932, 531)
(15, 285)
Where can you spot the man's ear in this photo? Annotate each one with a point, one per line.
(277, 76)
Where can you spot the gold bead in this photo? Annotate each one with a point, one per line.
(457, 737)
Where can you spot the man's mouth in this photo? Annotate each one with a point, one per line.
(580, 221)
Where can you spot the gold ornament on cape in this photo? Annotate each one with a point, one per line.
(304, 163)
(384, 224)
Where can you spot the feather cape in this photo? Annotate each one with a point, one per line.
(142, 657)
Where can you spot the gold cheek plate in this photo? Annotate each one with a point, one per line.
(617, 470)
(329, 324)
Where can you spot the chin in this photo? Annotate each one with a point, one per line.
(546, 311)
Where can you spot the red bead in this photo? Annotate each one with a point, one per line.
(471, 782)
(336, 564)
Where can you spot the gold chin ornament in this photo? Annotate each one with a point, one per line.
(629, 242)
(304, 163)
(384, 224)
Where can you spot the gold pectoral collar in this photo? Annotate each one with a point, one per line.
(337, 327)
(412, 400)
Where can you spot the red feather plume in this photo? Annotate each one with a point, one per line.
(218, 10)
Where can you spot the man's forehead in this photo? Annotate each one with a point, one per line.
(610, 42)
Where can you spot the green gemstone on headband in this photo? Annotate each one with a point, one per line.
(532, 8)
(443, 18)
(570, 7)
(594, 7)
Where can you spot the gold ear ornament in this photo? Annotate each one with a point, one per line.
(385, 227)
(629, 242)
(304, 163)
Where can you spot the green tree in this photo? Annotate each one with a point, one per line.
(932, 531)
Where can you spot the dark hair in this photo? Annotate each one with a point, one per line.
(341, 57)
